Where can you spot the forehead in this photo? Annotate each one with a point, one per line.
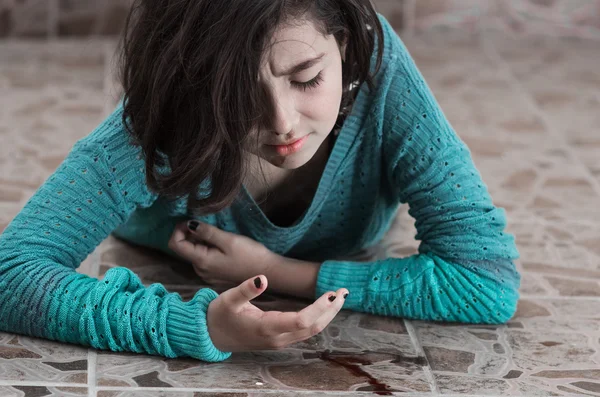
(296, 41)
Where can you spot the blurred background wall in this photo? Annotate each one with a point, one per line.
(565, 18)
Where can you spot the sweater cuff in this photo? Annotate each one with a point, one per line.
(187, 327)
(354, 276)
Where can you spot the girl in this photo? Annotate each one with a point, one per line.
(258, 140)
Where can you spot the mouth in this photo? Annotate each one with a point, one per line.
(285, 144)
(290, 148)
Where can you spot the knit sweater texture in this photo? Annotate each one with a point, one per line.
(396, 146)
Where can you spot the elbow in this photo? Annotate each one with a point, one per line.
(505, 309)
(501, 281)
(508, 293)
(503, 306)
(492, 290)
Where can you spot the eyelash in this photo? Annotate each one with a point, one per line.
(309, 84)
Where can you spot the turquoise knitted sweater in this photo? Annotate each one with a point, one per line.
(396, 146)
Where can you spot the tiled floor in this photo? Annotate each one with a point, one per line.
(530, 112)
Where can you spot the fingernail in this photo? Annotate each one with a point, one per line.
(192, 225)
(257, 282)
(346, 295)
(331, 298)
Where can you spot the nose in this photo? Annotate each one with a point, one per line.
(285, 114)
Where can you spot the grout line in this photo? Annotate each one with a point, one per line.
(410, 328)
(223, 390)
(494, 55)
(594, 343)
(296, 392)
(92, 360)
(548, 287)
(39, 383)
(274, 392)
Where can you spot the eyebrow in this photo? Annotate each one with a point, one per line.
(301, 66)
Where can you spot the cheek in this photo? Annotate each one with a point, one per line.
(324, 104)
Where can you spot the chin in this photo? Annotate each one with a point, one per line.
(290, 162)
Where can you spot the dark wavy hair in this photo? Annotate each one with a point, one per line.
(189, 70)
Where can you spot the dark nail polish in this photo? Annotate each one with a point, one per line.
(257, 282)
(345, 296)
(193, 225)
(332, 298)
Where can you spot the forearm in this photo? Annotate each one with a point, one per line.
(293, 277)
(425, 287)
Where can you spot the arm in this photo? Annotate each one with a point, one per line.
(94, 190)
(464, 270)
(293, 276)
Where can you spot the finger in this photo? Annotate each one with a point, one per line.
(190, 250)
(322, 322)
(211, 234)
(290, 322)
(246, 291)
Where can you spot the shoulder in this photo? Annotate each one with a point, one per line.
(111, 148)
(111, 133)
(111, 138)
(393, 46)
(398, 70)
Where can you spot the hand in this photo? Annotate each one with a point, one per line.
(220, 258)
(236, 325)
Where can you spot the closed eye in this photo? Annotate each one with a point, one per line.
(309, 84)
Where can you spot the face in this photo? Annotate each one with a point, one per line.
(306, 99)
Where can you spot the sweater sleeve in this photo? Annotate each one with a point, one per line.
(95, 189)
(464, 271)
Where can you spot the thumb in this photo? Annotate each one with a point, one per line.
(246, 291)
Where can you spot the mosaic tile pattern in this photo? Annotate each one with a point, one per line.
(43, 18)
(528, 109)
(573, 18)
(562, 18)
(530, 157)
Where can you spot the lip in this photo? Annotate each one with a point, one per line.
(293, 147)
(285, 144)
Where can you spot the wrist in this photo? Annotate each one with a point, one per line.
(293, 277)
(273, 261)
(187, 327)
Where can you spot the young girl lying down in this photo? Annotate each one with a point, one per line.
(257, 140)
